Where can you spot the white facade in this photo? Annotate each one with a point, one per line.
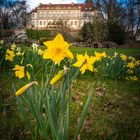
(72, 16)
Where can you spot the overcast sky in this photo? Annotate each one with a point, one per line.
(33, 3)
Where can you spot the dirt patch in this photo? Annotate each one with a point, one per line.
(130, 45)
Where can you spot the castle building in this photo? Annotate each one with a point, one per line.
(72, 16)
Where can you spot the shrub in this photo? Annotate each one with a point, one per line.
(87, 32)
(95, 31)
(116, 33)
(37, 34)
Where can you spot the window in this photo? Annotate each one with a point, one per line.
(44, 23)
(40, 22)
(40, 14)
(33, 23)
(33, 15)
(71, 23)
(75, 22)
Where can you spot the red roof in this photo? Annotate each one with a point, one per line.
(83, 6)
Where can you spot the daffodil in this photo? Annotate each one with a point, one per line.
(9, 55)
(130, 71)
(115, 54)
(131, 65)
(25, 88)
(1, 42)
(99, 56)
(35, 47)
(40, 52)
(18, 49)
(20, 72)
(123, 57)
(85, 63)
(57, 77)
(58, 49)
(19, 54)
(13, 46)
(131, 58)
(28, 75)
(133, 78)
(137, 63)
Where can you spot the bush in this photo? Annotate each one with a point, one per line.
(6, 33)
(38, 34)
(95, 31)
(116, 33)
(87, 32)
(66, 34)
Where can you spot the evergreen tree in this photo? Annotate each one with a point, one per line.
(88, 1)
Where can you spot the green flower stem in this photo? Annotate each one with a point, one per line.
(84, 112)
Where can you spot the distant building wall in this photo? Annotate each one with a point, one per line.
(73, 16)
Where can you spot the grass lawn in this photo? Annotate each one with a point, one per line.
(128, 51)
(131, 51)
(113, 115)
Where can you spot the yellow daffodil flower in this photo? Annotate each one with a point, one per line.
(85, 62)
(40, 52)
(123, 57)
(20, 73)
(18, 54)
(25, 88)
(57, 77)
(131, 58)
(137, 63)
(133, 78)
(1, 42)
(18, 49)
(99, 56)
(35, 47)
(130, 71)
(115, 54)
(13, 46)
(9, 55)
(127, 78)
(57, 50)
(131, 65)
(28, 75)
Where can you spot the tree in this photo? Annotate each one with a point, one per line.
(88, 1)
(133, 17)
(116, 33)
(95, 31)
(100, 30)
(87, 32)
(12, 14)
(111, 10)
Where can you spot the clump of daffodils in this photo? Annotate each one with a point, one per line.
(56, 101)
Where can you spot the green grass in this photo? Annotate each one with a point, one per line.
(115, 115)
(128, 51)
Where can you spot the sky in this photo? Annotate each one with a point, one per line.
(33, 3)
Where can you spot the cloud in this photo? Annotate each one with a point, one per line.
(34, 3)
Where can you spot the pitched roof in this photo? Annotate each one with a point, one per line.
(83, 6)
